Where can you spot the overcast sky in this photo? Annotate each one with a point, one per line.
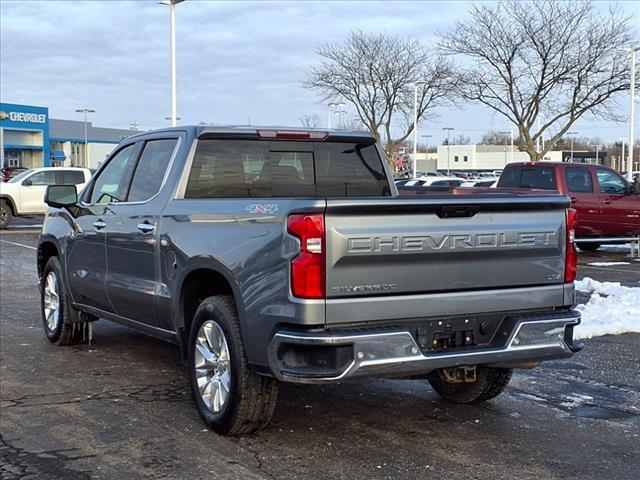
(236, 60)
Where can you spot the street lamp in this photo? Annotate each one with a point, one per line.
(448, 130)
(85, 111)
(621, 163)
(572, 133)
(632, 94)
(172, 5)
(415, 125)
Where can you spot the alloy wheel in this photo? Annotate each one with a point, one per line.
(212, 366)
(51, 302)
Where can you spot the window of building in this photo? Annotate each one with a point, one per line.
(112, 182)
(255, 168)
(151, 169)
(455, 158)
(579, 180)
(465, 158)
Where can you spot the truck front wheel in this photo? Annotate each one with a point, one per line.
(489, 383)
(5, 214)
(231, 399)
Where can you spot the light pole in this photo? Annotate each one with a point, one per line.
(448, 130)
(174, 104)
(505, 144)
(572, 133)
(621, 163)
(415, 126)
(632, 94)
(597, 154)
(85, 111)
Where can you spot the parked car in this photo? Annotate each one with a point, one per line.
(8, 172)
(23, 195)
(315, 272)
(608, 206)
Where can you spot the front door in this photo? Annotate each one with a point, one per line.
(585, 199)
(132, 237)
(33, 189)
(86, 251)
(620, 209)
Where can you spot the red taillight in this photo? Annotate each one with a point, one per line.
(308, 268)
(571, 255)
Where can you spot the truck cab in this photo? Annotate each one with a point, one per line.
(608, 206)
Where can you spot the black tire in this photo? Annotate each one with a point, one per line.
(588, 246)
(67, 329)
(490, 382)
(251, 398)
(6, 215)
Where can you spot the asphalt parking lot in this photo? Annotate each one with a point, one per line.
(121, 408)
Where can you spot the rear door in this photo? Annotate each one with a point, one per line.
(620, 210)
(132, 236)
(580, 186)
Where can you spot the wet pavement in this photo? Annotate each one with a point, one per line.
(121, 408)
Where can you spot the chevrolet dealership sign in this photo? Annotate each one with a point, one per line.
(23, 117)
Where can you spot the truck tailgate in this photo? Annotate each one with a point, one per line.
(443, 244)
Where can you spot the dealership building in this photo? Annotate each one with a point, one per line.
(29, 138)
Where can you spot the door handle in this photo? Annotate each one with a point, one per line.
(145, 227)
(606, 202)
(574, 199)
(99, 224)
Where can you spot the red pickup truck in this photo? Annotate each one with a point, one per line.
(608, 206)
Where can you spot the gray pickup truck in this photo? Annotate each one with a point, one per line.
(274, 255)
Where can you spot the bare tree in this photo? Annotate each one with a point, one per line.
(375, 72)
(551, 61)
(311, 121)
(493, 137)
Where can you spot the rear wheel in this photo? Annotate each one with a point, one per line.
(588, 246)
(5, 214)
(61, 322)
(489, 383)
(230, 398)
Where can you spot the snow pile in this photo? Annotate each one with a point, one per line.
(611, 310)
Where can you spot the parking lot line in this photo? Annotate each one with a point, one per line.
(18, 244)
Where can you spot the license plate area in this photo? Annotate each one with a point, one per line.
(455, 333)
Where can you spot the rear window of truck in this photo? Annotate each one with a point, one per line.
(538, 177)
(258, 168)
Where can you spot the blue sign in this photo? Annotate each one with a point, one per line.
(29, 118)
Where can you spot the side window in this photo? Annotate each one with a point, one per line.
(610, 182)
(579, 180)
(111, 185)
(44, 177)
(151, 169)
(72, 177)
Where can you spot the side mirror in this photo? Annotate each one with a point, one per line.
(60, 196)
(27, 183)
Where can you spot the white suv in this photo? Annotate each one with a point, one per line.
(23, 195)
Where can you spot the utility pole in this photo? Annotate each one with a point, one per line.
(85, 111)
(622, 162)
(448, 130)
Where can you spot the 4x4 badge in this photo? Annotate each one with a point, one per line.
(262, 208)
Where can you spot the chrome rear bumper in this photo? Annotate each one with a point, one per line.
(396, 353)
